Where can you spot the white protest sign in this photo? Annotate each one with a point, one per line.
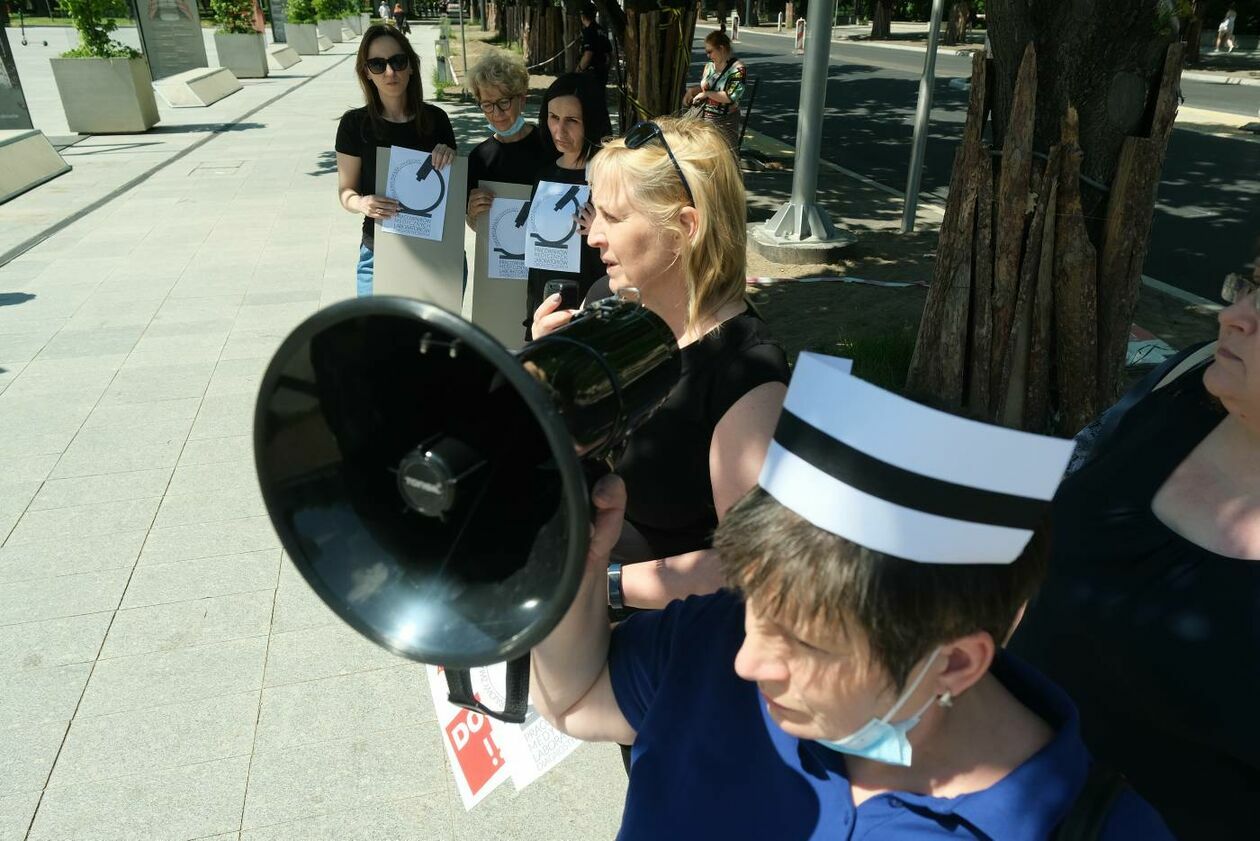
(482, 757)
(421, 190)
(552, 240)
(507, 239)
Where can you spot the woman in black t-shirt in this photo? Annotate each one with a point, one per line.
(515, 152)
(576, 114)
(395, 115)
(1150, 613)
(673, 227)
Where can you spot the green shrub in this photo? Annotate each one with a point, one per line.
(439, 84)
(94, 21)
(301, 11)
(328, 9)
(234, 17)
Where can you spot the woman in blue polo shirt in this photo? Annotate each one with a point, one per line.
(853, 686)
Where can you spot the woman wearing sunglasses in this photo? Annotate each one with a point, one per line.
(669, 221)
(575, 111)
(1150, 616)
(394, 114)
(514, 153)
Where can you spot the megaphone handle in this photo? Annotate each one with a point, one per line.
(516, 692)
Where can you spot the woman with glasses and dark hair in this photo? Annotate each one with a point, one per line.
(575, 111)
(515, 152)
(669, 222)
(721, 86)
(394, 114)
(1150, 615)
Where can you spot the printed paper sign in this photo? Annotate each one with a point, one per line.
(508, 219)
(485, 751)
(422, 193)
(552, 240)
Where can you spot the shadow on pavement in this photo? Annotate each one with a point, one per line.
(8, 299)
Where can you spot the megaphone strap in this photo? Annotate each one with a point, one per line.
(516, 692)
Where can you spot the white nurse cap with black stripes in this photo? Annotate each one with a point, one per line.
(904, 479)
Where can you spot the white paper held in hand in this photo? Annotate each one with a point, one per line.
(422, 192)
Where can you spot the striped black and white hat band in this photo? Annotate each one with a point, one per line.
(903, 479)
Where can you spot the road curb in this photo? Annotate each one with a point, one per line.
(1218, 79)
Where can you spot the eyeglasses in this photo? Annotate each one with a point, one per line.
(643, 133)
(500, 105)
(399, 62)
(1237, 287)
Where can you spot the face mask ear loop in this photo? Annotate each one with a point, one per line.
(914, 684)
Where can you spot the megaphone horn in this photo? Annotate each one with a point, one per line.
(429, 484)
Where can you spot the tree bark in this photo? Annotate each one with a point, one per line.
(881, 20)
(655, 42)
(1194, 31)
(959, 18)
(1102, 56)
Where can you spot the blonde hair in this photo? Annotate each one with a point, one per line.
(715, 256)
(498, 69)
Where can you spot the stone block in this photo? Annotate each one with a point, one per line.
(197, 88)
(282, 57)
(106, 95)
(27, 160)
(332, 30)
(244, 54)
(303, 38)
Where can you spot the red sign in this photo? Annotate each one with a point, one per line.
(475, 748)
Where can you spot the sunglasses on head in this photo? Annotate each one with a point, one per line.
(399, 62)
(1237, 287)
(643, 133)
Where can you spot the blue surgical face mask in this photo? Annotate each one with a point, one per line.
(513, 129)
(882, 739)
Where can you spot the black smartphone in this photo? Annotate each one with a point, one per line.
(568, 290)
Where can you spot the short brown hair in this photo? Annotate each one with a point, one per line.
(804, 576)
(717, 38)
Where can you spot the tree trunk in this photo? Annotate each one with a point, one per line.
(1035, 285)
(959, 17)
(1194, 32)
(655, 43)
(881, 20)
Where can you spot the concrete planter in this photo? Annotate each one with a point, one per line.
(331, 29)
(106, 95)
(302, 37)
(365, 20)
(347, 31)
(356, 24)
(244, 54)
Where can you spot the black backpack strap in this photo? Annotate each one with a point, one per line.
(1088, 813)
(1163, 374)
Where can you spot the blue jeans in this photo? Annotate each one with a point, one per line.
(363, 273)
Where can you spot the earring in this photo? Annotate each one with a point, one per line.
(946, 700)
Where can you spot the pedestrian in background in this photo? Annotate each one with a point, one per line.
(596, 48)
(1225, 32)
(716, 98)
(382, 11)
(394, 114)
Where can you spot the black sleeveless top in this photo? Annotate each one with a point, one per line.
(666, 462)
(1154, 637)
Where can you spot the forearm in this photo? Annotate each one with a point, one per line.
(654, 584)
(569, 661)
(350, 199)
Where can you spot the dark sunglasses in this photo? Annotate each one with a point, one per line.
(642, 133)
(399, 62)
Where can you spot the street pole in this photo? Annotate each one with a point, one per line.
(801, 218)
(463, 43)
(924, 111)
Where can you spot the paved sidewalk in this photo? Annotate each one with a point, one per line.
(167, 674)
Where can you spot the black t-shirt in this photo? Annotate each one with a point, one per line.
(356, 137)
(595, 41)
(665, 464)
(591, 267)
(520, 162)
(1155, 638)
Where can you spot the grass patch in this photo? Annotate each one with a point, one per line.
(881, 359)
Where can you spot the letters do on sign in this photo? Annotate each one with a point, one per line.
(475, 749)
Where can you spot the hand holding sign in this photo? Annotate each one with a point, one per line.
(552, 238)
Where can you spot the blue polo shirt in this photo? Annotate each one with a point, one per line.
(708, 762)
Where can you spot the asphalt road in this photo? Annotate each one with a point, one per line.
(1208, 213)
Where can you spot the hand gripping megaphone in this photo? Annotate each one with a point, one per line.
(431, 486)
